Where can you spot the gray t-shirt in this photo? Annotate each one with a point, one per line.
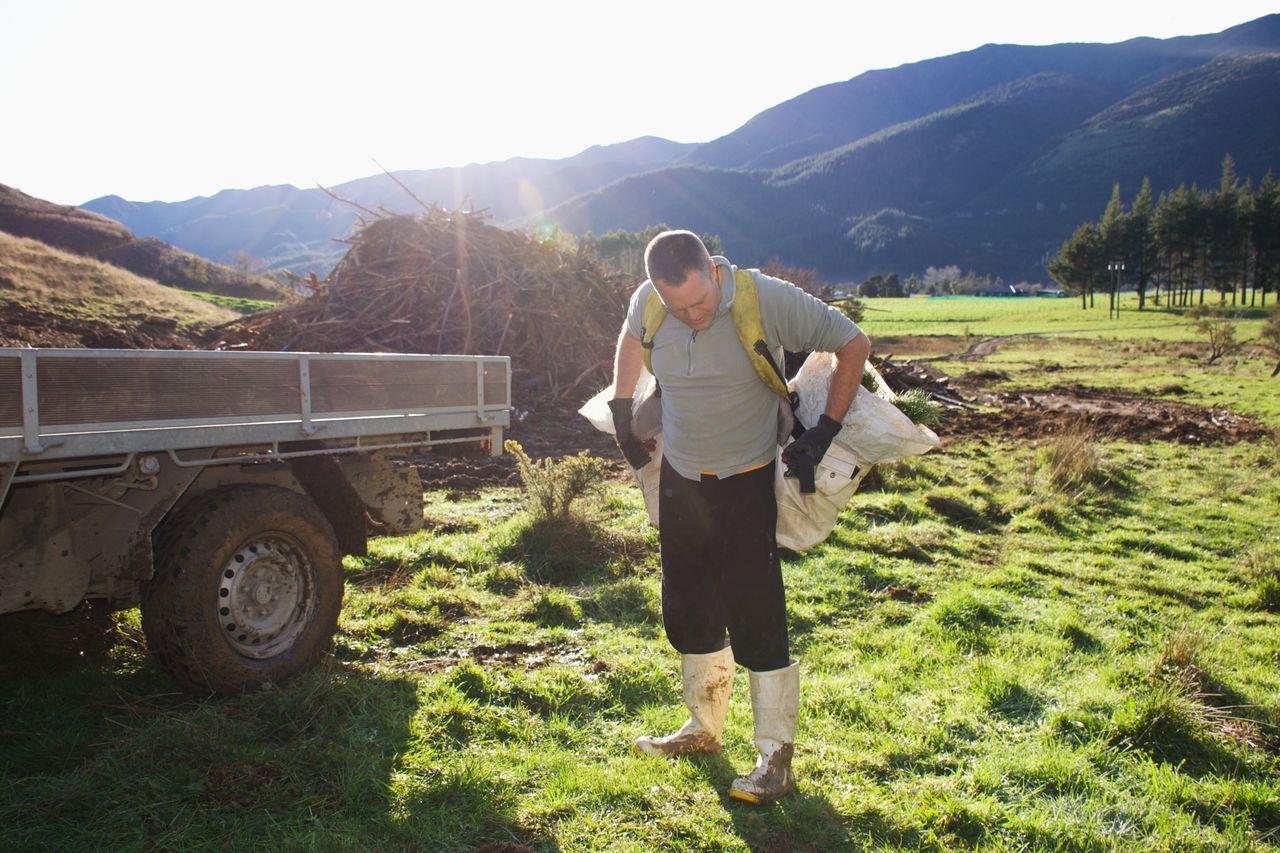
(718, 416)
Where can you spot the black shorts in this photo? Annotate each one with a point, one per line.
(720, 567)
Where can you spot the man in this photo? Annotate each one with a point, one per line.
(717, 512)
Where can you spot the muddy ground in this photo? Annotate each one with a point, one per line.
(1033, 415)
(1028, 415)
(21, 326)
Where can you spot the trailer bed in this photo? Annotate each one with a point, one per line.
(77, 403)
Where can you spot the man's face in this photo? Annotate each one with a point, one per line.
(694, 301)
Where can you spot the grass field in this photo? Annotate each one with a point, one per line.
(1052, 342)
(994, 317)
(1004, 646)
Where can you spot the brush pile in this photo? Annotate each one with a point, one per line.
(444, 282)
(904, 376)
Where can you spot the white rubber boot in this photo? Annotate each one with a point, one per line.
(708, 682)
(775, 704)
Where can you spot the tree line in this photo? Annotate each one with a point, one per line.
(624, 250)
(1225, 240)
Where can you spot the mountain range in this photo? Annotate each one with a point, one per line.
(985, 159)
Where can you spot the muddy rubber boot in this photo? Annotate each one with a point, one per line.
(775, 703)
(708, 682)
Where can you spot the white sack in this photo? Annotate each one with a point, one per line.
(806, 520)
(646, 423)
(597, 411)
(874, 429)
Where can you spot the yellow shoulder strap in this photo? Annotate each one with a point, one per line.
(746, 320)
(654, 313)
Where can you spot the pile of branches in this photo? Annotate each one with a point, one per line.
(446, 282)
(902, 376)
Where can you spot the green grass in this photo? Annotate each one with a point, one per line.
(239, 304)
(989, 663)
(1004, 647)
(1171, 371)
(1155, 353)
(995, 317)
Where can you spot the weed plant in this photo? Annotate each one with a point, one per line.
(551, 486)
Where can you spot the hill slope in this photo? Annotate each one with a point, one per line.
(49, 297)
(297, 229)
(94, 235)
(834, 115)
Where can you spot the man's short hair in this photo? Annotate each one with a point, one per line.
(672, 255)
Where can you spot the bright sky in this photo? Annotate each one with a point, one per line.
(168, 100)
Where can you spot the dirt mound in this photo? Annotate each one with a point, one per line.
(1034, 414)
(445, 282)
(29, 327)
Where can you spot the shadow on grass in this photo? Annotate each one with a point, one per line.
(804, 820)
(565, 550)
(109, 749)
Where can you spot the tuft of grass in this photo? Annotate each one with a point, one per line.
(554, 607)
(981, 514)
(1072, 629)
(919, 406)
(967, 617)
(1073, 461)
(504, 578)
(1178, 663)
(1162, 720)
(1003, 692)
(626, 601)
(552, 552)
(1262, 568)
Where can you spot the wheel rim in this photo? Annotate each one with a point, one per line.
(265, 596)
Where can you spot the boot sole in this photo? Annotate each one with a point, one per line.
(757, 799)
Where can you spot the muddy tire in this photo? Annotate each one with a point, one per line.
(247, 588)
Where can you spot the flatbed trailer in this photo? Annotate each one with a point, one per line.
(219, 490)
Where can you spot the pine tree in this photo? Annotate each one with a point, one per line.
(1113, 229)
(1223, 217)
(1075, 266)
(1142, 242)
(1264, 235)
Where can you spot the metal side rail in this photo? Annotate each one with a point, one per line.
(65, 404)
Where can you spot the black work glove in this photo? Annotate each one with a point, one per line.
(633, 449)
(803, 455)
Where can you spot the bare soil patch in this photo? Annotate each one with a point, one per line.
(527, 655)
(21, 326)
(1033, 414)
